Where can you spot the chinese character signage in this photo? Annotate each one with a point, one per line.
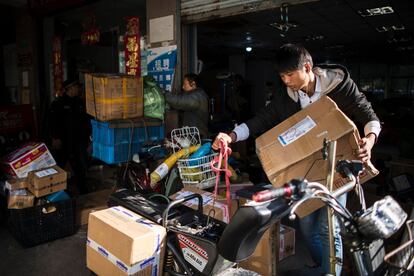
(161, 65)
(57, 66)
(132, 47)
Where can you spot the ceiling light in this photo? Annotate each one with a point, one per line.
(248, 38)
(383, 29)
(249, 49)
(376, 11)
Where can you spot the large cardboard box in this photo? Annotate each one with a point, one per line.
(111, 97)
(264, 259)
(121, 242)
(292, 149)
(87, 203)
(47, 181)
(31, 156)
(221, 209)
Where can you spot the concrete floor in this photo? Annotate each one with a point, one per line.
(67, 256)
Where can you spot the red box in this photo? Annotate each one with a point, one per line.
(31, 156)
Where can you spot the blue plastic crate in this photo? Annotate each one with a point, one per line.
(113, 154)
(104, 133)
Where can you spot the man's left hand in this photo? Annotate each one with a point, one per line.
(365, 147)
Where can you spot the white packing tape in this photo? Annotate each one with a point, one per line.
(129, 270)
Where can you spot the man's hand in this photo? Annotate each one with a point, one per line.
(229, 138)
(366, 144)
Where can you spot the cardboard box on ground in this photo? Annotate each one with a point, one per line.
(263, 260)
(85, 204)
(111, 97)
(221, 209)
(121, 242)
(292, 149)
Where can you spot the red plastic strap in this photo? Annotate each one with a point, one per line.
(225, 152)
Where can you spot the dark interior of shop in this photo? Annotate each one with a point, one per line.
(234, 56)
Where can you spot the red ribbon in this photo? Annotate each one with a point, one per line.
(225, 152)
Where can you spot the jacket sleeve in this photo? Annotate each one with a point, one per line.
(356, 105)
(183, 101)
(266, 118)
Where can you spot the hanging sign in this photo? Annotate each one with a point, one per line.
(132, 47)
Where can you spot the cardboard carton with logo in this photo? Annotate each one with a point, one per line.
(31, 156)
(221, 209)
(121, 242)
(47, 181)
(292, 149)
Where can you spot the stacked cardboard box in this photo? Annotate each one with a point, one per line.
(111, 97)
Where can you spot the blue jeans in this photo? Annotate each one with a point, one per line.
(314, 228)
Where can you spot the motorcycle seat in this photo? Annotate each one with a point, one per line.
(247, 226)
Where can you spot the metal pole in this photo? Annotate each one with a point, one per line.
(331, 228)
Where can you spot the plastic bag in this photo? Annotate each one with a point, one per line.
(154, 101)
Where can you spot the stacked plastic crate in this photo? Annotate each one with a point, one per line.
(119, 129)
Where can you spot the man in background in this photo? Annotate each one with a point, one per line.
(70, 130)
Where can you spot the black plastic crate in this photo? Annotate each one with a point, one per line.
(43, 223)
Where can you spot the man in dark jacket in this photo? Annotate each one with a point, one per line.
(70, 130)
(193, 102)
(304, 85)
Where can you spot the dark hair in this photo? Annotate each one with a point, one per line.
(291, 57)
(193, 78)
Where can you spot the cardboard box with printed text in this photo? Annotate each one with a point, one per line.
(292, 149)
(47, 181)
(31, 156)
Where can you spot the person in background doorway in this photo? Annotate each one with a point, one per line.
(70, 130)
(303, 85)
(193, 104)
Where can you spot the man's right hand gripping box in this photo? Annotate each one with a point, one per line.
(292, 149)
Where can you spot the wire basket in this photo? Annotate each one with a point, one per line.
(185, 137)
(401, 260)
(195, 172)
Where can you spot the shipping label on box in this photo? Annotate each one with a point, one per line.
(121, 242)
(31, 156)
(111, 97)
(292, 149)
(221, 210)
(47, 181)
(20, 199)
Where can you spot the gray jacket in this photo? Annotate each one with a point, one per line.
(194, 107)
